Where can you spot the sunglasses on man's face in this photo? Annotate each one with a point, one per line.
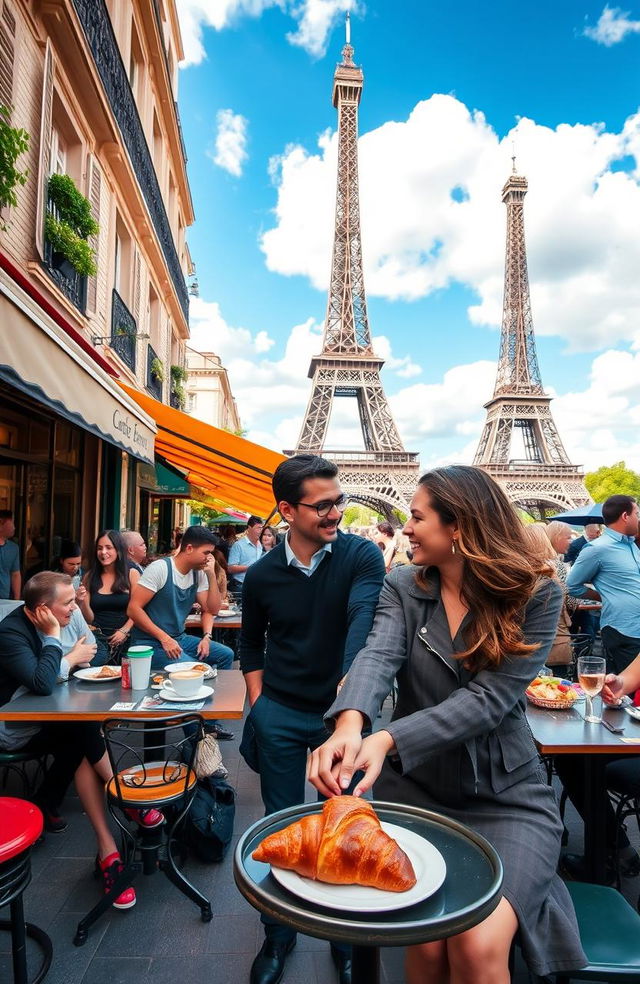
(324, 507)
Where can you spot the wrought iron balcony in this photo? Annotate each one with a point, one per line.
(96, 23)
(72, 284)
(154, 385)
(175, 401)
(124, 331)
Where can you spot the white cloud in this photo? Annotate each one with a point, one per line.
(230, 151)
(431, 216)
(315, 19)
(613, 26)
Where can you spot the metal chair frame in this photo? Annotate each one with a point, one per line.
(163, 759)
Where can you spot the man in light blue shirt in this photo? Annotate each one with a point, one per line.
(245, 552)
(612, 564)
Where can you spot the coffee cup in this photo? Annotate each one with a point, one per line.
(186, 683)
(140, 659)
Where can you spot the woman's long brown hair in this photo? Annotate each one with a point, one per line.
(500, 570)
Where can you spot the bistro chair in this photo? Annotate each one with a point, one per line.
(152, 763)
(623, 786)
(20, 828)
(610, 935)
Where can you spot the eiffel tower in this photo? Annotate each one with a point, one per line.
(544, 479)
(383, 476)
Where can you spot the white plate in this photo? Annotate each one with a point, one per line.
(200, 695)
(89, 673)
(633, 712)
(428, 864)
(225, 613)
(212, 671)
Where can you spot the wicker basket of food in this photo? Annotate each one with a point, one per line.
(552, 693)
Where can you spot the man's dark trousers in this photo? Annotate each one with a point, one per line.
(284, 736)
(620, 649)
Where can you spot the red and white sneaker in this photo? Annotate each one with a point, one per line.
(110, 867)
(148, 818)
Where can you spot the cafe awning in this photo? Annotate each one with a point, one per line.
(229, 469)
(38, 359)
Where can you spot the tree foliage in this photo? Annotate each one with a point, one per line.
(614, 479)
(13, 143)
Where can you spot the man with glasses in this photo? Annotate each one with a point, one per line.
(307, 609)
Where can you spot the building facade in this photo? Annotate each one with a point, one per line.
(94, 85)
(208, 392)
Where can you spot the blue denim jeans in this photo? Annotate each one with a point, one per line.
(220, 656)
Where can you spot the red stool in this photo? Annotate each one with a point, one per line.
(20, 827)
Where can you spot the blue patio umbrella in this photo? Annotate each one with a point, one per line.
(582, 516)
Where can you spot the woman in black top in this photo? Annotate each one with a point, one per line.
(108, 588)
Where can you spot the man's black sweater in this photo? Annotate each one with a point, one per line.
(314, 626)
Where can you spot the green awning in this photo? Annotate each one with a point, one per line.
(163, 480)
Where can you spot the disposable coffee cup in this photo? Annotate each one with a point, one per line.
(140, 657)
(186, 683)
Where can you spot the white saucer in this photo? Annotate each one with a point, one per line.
(225, 613)
(200, 695)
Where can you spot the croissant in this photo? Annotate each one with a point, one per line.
(343, 845)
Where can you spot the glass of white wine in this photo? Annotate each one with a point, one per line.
(591, 674)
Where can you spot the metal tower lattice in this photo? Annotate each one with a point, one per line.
(544, 478)
(383, 476)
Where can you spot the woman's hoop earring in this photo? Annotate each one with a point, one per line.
(453, 546)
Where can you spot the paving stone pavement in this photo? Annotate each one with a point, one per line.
(162, 940)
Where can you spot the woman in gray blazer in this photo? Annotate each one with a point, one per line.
(464, 635)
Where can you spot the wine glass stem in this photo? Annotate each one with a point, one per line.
(589, 713)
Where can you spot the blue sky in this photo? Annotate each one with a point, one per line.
(448, 90)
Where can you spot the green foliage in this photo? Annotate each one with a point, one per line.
(66, 242)
(178, 376)
(72, 207)
(614, 479)
(70, 224)
(206, 513)
(157, 370)
(357, 515)
(13, 143)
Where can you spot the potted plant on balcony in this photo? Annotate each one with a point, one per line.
(178, 378)
(68, 225)
(157, 370)
(13, 143)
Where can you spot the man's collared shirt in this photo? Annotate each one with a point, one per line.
(244, 553)
(317, 557)
(612, 564)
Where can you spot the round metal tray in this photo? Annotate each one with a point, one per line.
(470, 892)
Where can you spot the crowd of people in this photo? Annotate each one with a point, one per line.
(458, 613)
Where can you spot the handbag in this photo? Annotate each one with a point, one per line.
(209, 822)
(207, 760)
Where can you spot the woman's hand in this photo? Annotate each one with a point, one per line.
(330, 767)
(613, 689)
(81, 595)
(370, 759)
(118, 637)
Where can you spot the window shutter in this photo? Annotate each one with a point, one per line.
(135, 297)
(94, 188)
(44, 166)
(7, 47)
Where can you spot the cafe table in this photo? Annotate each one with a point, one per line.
(80, 700)
(229, 622)
(565, 732)
(469, 893)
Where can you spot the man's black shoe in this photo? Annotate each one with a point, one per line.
(268, 967)
(574, 867)
(342, 963)
(223, 735)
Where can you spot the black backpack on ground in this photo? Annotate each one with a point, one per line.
(209, 822)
